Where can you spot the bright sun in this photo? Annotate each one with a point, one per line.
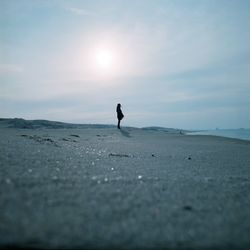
(105, 59)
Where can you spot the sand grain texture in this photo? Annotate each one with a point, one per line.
(101, 188)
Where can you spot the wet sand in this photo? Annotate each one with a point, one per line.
(101, 188)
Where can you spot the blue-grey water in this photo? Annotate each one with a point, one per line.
(243, 134)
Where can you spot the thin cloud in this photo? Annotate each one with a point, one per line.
(81, 12)
(10, 68)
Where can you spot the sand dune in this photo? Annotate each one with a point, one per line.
(39, 124)
(96, 187)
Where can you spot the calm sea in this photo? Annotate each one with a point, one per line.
(231, 133)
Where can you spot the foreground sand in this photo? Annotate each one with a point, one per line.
(130, 189)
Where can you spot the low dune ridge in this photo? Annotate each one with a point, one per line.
(38, 124)
(91, 186)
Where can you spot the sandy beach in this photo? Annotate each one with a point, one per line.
(104, 188)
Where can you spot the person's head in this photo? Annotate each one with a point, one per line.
(119, 105)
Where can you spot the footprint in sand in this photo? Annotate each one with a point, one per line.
(41, 140)
(119, 155)
(75, 135)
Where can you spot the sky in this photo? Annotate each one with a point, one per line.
(171, 63)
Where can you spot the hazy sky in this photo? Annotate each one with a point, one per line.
(171, 63)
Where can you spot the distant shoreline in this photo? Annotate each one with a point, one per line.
(20, 123)
(242, 134)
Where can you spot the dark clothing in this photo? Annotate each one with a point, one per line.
(119, 113)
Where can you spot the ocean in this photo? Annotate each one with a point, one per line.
(243, 134)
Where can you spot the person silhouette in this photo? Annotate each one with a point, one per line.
(119, 115)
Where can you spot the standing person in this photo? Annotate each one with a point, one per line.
(119, 115)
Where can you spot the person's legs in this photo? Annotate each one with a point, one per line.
(118, 125)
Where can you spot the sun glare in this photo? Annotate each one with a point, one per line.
(105, 59)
